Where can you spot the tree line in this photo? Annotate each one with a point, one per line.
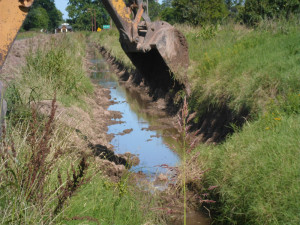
(250, 12)
(44, 14)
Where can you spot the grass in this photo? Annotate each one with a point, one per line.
(242, 68)
(45, 174)
(60, 66)
(256, 170)
(110, 40)
(27, 34)
(109, 203)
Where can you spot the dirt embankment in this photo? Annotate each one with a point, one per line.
(213, 125)
(90, 125)
(158, 103)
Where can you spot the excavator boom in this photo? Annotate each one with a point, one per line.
(157, 49)
(12, 16)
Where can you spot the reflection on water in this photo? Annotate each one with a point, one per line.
(148, 145)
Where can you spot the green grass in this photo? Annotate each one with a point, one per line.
(110, 40)
(257, 172)
(243, 68)
(257, 169)
(109, 203)
(27, 34)
(57, 67)
(55, 194)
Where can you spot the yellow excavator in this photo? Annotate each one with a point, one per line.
(157, 49)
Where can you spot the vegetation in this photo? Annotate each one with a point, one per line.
(45, 173)
(81, 12)
(105, 202)
(250, 12)
(255, 11)
(110, 40)
(255, 170)
(58, 66)
(43, 15)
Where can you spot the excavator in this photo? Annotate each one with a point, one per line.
(156, 49)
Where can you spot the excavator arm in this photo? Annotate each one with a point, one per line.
(157, 49)
(12, 16)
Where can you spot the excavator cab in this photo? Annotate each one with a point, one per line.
(157, 49)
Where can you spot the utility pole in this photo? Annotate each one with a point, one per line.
(95, 23)
(147, 8)
(92, 22)
(93, 19)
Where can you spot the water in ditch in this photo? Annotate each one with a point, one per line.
(132, 133)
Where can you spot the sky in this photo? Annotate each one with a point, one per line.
(62, 5)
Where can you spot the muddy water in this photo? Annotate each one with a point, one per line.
(132, 133)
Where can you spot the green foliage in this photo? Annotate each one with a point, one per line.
(243, 68)
(37, 18)
(168, 14)
(257, 171)
(80, 13)
(257, 10)
(56, 67)
(199, 12)
(105, 202)
(154, 9)
(43, 12)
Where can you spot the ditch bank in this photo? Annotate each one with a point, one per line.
(212, 124)
(154, 116)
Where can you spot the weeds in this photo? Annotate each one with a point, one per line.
(56, 68)
(28, 162)
(190, 175)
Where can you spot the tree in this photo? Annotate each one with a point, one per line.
(199, 11)
(256, 10)
(53, 14)
(168, 15)
(80, 13)
(166, 4)
(37, 19)
(154, 9)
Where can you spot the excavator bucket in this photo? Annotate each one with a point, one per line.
(157, 49)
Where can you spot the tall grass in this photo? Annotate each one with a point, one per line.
(257, 168)
(57, 67)
(105, 202)
(33, 153)
(45, 177)
(110, 40)
(243, 68)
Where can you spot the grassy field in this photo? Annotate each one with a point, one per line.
(257, 169)
(46, 176)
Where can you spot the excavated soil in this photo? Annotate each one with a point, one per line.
(91, 126)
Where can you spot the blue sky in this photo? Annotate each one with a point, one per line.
(62, 5)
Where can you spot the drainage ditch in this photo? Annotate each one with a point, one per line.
(142, 132)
